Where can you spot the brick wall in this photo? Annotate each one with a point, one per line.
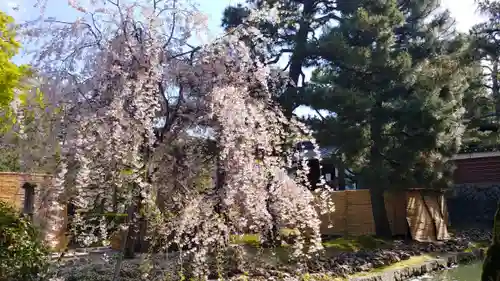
(11, 186)
(11, 189)
(50, 220)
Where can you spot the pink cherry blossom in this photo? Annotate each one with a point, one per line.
(126, 66)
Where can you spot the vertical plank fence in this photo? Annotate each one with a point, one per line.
(422, 214)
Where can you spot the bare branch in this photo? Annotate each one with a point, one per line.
(172, 29)
(190, 52)
(487, 67)
(320, 115)
(277, 57)
(72, 23)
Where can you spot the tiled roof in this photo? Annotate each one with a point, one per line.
(479, 148)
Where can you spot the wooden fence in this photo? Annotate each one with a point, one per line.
(424, 214)
(420, 213)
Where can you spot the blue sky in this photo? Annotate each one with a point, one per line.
(464, 11)
(60, 10)
(22, 10)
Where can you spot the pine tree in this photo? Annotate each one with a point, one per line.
(483, 101)
(481, 129)
(293, 35)
(486, 46)
(393, 76)
(395, 86)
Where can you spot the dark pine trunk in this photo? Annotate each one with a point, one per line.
(495, 84)
(341, 176)
(382, 227)
(287, 100)
(377, 183)
(314, 174)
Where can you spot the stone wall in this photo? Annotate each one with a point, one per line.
(473, 204)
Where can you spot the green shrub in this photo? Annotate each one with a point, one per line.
(23, 256)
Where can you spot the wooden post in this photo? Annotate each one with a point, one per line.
(346, 213)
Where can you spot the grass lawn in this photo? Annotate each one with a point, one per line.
(353, 244)
(341, 244)
(413, 261)
(478, 245)
(280, 255)
(417, 260)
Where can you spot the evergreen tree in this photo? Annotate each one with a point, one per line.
(486, 47)
(483, 99)
(395, 81)
(293, 35)
(394, 77)
(481, 128)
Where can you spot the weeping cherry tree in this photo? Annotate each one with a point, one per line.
(135, 92)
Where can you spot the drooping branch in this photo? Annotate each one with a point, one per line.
(115, 149)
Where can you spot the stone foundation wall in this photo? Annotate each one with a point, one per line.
(473, 204)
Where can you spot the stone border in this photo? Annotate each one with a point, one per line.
(439, 263)
(80, 252)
